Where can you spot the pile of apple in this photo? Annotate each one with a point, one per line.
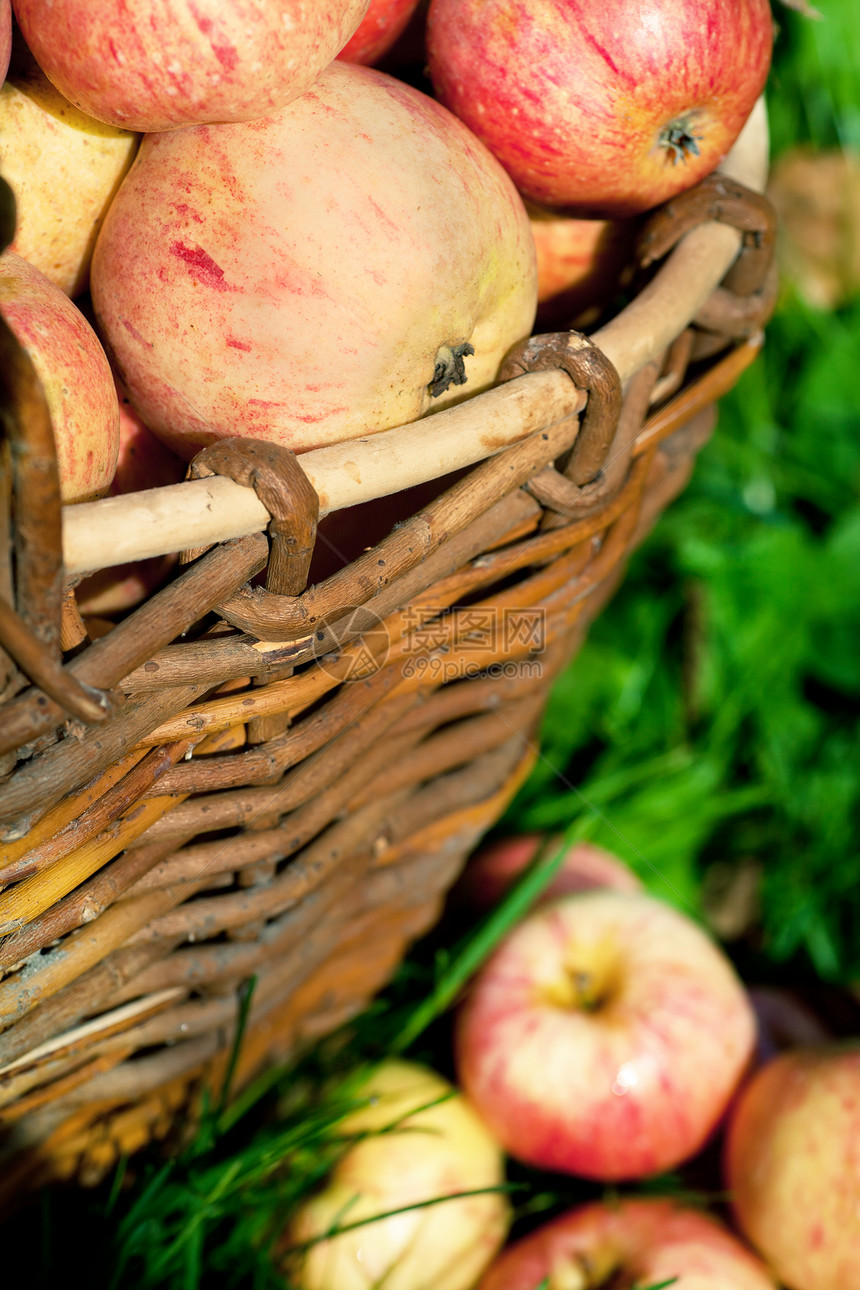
(305, 249)
(609, 1038)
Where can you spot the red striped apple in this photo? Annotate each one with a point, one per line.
(634, 1243)
(602, 106)
(494, 867)
(792, 1165)
(380, 27)
(160, 64)
(74, 373)
(580, 265)
(339, 267)
(604, 1037)
(5, 36)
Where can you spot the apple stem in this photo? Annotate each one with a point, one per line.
(449, 369)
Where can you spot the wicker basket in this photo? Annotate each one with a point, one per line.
(243, 780)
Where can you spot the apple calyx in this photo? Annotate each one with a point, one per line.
(678, 140)
(598, 1270)
(577, 989)
(449, 367)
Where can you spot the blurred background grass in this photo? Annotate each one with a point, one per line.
(707, 733)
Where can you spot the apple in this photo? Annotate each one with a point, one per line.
(5, 36)
(74, 373)
(380, 27)
(581, 264)
(792, 1165)
(160, 64)
(603, 107)
(629, 1243)
(339, 267)
(64, 168)
(604, 1036)
(439, 1147)
(493, 868)
(143, 462)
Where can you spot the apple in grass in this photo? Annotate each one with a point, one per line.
(64, 167)
(493, 868)
(384, 22)
(417, 1140)
(631, 1243)
(337, 268)
(74, 373)
(162, 64)
(792, 1165)
(603, 107)
(604, 1037)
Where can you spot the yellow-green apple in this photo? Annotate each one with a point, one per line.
(602, 106)
(337, 268)
(604, 1036)
(143, 462)
(418, 1140)
(494, 867)
(380, 27)
(792, 1165)
(74, 373)
(631, 1243)
(160, 64)
(64, 167)
(581, 264)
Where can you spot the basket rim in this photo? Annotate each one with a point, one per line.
(134, 526)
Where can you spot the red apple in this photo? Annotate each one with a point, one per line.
(380, 27)
(143, 462)
(580, 262)
(159, 64)
(326, 272)
(602, 106)
(493, 868)
(5, 36)
(604, 1037)
(74, 373)
(631, 1243)
(792, 1165)
(64, 167)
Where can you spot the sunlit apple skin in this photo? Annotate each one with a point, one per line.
(64, 167)
(162, 64)
(645, 1242)
(792, 1165)
(437, 1151)
(604, 1037)
(74, 373)
(296, 278)
(380, 27)
(573, 96)
(493, 868)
